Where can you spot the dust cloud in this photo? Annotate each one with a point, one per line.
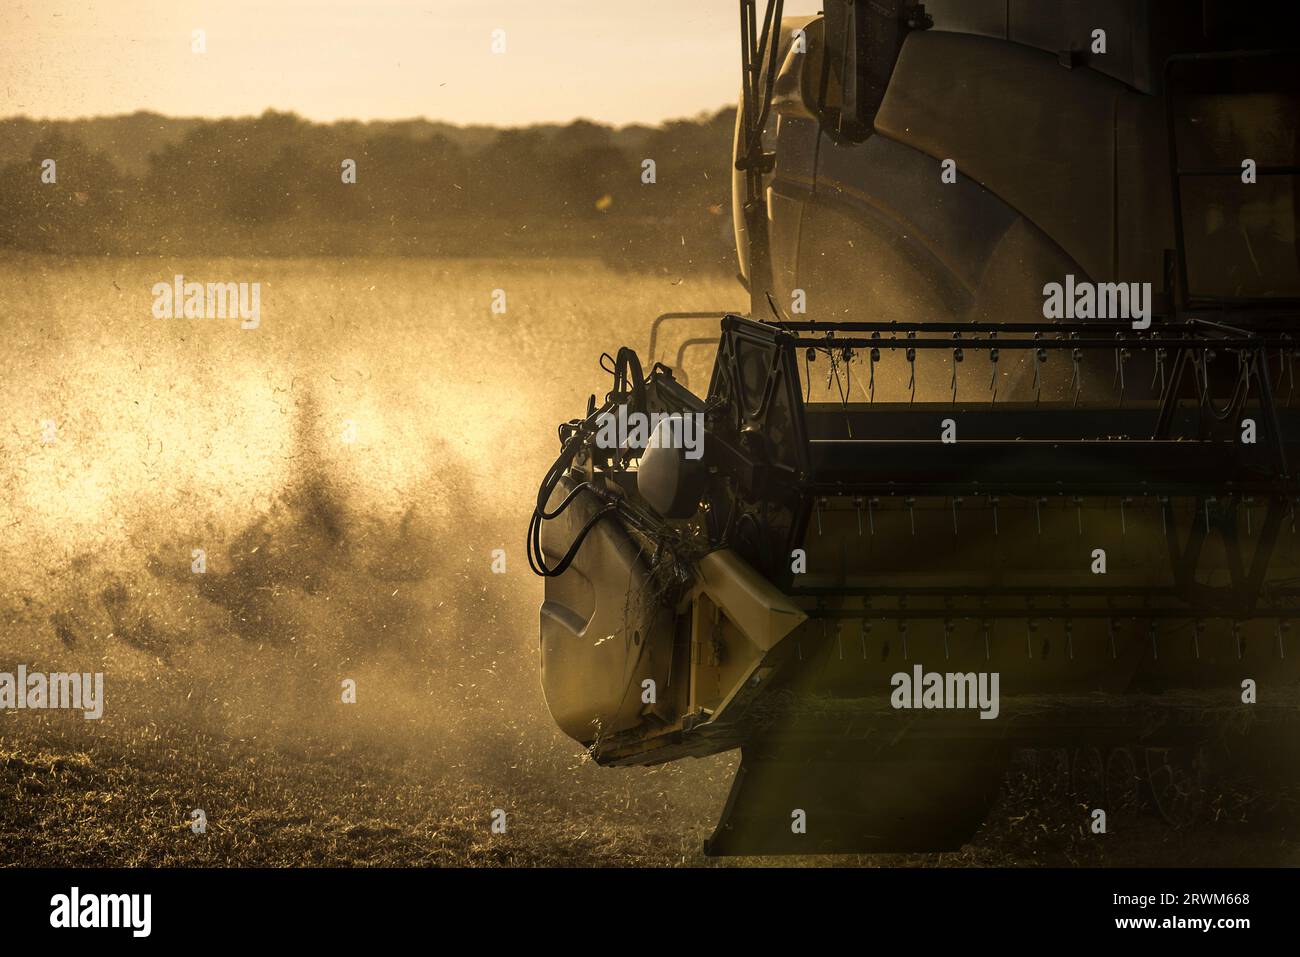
(347, 470)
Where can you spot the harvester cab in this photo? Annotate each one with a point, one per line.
(1002, 458)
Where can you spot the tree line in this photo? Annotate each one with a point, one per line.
(276, 184)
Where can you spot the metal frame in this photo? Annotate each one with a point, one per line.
(758, 50)
(1181, 457)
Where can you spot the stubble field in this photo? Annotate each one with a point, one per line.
(347, 469)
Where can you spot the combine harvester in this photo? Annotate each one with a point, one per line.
(1003, 459)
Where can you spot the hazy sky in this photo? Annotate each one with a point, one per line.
(617, 61)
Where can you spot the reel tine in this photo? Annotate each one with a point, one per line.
(993, 361)
(1076, 377)
(1122, 354)
(957, 356)
(1159, 371)
(1040, 357)
(874, 357)
(910, 354)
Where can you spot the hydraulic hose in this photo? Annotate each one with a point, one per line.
(629, 384)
